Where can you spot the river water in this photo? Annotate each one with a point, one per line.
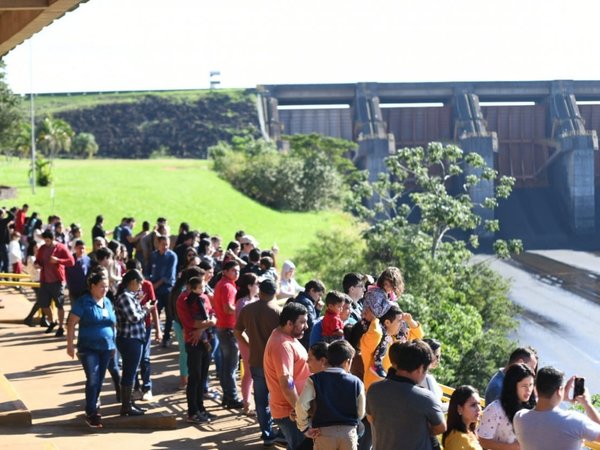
(562, 326)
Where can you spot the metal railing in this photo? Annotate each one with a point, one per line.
(18, 280)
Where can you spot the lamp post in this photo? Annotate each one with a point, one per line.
(32, 110)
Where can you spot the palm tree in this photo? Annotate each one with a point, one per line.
(54, 137)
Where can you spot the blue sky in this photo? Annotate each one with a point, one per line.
(108, 45)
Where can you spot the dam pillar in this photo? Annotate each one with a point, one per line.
(369, 130)
(268, 116)
(471, 135)
(572, 169)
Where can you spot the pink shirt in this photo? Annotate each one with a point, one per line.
(284, 356)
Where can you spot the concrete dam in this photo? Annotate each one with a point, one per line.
(542, 133)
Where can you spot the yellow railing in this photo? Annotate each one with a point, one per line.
(448, 392)
(18, 280)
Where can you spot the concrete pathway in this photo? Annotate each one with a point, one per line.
(51, 386)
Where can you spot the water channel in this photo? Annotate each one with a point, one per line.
(559, 293)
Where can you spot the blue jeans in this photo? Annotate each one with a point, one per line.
(94, 364)
(145, 362)
(261, 400)
(162, 297)
(292, 434)
(131, 353)
(230, 356)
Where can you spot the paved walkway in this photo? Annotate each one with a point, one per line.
(51, 385)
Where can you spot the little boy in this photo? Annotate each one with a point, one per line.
(333, 325)
(317, 357)
(339, 402)
(196, 286)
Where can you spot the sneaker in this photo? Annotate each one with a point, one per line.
(60, 332)
(51, 327)
(210, 415)
(147, 396)
(198, 418)
(93, 421)
(233, 404)
(211, 395)
(44, 323)
(28, 321)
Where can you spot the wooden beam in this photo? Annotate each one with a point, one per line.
(12, 5)
(17, 26)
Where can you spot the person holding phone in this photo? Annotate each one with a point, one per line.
(547, 426)
(148, 297)
(131, 332)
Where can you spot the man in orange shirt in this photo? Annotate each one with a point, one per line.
(286, 370)
(224, 305)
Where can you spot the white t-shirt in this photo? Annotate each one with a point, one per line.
(555, 429)
(494, 424)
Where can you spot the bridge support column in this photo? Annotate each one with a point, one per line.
(471, 135)
(268, 116)
(369, 130)
(572, 171)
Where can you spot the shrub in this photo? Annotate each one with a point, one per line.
(43, 172)
(293, 181)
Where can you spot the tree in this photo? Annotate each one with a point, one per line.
(54, 136)
(428, 188)
(423, 221)
(22, 140)
(9, 113)
(311, 176)
(84, 145)
(43, 172)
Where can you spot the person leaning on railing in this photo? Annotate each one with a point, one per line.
(463, 413)
(495, 429)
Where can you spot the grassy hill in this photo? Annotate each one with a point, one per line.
(181, 190)
(137, 125)
(57, 103)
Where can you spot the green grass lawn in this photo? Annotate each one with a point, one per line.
(180, 190)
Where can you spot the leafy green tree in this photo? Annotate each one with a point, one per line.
(22, 140)
(54, 136)
(303, 179)
(9, 113)
(84, 145)
(429, 187)
(420, 209)
(336, 150)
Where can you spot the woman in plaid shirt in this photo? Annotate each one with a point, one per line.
(131, 332)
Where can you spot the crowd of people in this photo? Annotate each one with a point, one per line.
(328, 369)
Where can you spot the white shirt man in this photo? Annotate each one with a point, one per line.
(547, 426)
